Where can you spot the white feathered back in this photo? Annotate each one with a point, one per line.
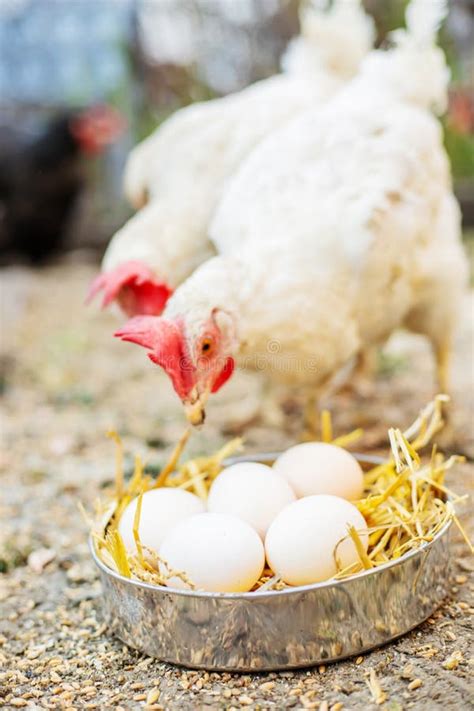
(333, 41)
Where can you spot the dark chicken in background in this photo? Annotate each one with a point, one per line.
(42, 174)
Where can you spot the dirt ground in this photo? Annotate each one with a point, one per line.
(64, 382)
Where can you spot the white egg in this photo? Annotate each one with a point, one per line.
(218, 553)
(162, 509)
(251, 491)
(319, 468)
(302, 542)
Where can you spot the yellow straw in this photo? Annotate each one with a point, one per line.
(118, 462)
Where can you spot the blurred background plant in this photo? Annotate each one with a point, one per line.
(147, 58)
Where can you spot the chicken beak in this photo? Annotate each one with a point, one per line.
(194, 407)
(195, 413)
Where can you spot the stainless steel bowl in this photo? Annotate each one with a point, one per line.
(286, 629)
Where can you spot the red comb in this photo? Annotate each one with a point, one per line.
(166, 343)
(146, 331)
(134, 285)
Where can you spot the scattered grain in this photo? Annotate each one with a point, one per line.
(453, 661)
(152, 696)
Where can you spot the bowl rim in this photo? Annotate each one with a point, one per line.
(262, 594)
(259, 595)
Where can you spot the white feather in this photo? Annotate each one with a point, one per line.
(415, 69)
(424, 18)
(184, 165)
(335, 41)
(334, 232)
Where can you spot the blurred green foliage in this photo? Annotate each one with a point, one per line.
(460, 148)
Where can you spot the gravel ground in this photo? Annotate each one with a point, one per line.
(64, 383)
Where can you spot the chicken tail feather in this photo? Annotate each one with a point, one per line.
(419, 66)
(424, 20)
(333, 41)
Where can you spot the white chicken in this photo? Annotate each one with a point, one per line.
(183, 166)
(338, 229)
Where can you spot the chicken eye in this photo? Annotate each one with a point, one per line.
(206, 346)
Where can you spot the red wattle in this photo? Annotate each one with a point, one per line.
(224, 375)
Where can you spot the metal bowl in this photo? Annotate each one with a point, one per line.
(285, 629)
